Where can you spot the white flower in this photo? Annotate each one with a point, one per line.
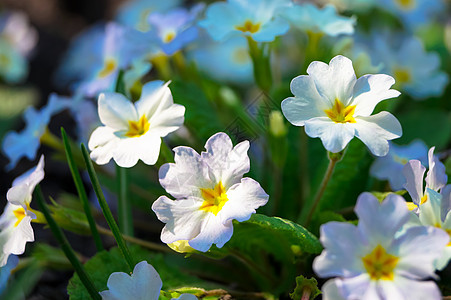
(143, 284)
(335, 106)
(134, 131)
(15, 222)
(210, 192)
(373, 261)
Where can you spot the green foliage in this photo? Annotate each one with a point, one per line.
(303, 284)
(104, 263)
(381, 196)
(430, 125)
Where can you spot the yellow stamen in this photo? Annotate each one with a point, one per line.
(402, 76)
(248, 26)
(424, 199)
(168, 37)
(401, 160)
(406, 4)
(411, 206)
(379, 264)
(138, 128)
(108, 68)
(214, 199)
(341, 114)
(19, 214)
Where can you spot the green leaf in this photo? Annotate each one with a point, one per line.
(382, 195)
(309, 285)
(200, 116)
(430, 125)
(104, 263)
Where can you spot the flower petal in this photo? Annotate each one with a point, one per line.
(115, 111)
(413, 171)
(330, 290)
(375, 131)
(244, 198)
(417, 290)
(369, 90)
(334, 81)
(129, 150)
(436, 177)
(335, 136)
(102, 143)
(213, 231)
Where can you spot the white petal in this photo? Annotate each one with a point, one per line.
(436, 177)
(375, 131)
(115, 111)
(446, 201)
(306, 104)
(417, 290)
(244, 198)
(20, 235)
(369, 90)
(358, 287)
(330, 291)
(334, 81)
(155, 97)
(167, 120)
(129, 150)
(185, 297)
(102, 143)
(186, 176)
(379, 222)
(335, 136)
(183, 218)
(342, 246)
(413, 171)
(430, 211)
(227, 164)
(417, 249)
(213, 231)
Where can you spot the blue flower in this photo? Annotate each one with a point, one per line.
(227, 61)
(5, 271)
(416, 71)
(175, 28)
(136, 13)
(259, 19)
(390, 166)
(308, 17)
(13, 66)
(414, 12)
(26, 143)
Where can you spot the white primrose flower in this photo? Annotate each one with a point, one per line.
(436, 179)
(374, 260)
(335, 106)
(133, 131)
(210, 192)
(15, 222)
(143, 284)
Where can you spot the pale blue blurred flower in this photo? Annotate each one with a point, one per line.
(5, 271)
(118, 53)
(352, 5)
(416, 71)
(389, 167)
(13, 66)
(259, 19)
(16, 29)
(175, 28)
(227, 61)
(326, 20)
(143, 284)
(26, 143)
(135, 13)
(414, 13)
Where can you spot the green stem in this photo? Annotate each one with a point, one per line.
(261, 62)
(81, 191)
(105, 209)
(333, 159)
(124, 207)
(65, 246)
(303, 166)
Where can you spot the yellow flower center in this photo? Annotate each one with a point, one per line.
(401, 160)
(379, 264)
(137, 128)
(341, 114)
(448, 231)
(424, 199)
(4, 61)
(19, 213)
(240, 56)
(169, 36)
(248, 26)
(214, 199)
(407, 4)
(402, 76)
(108, 68)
